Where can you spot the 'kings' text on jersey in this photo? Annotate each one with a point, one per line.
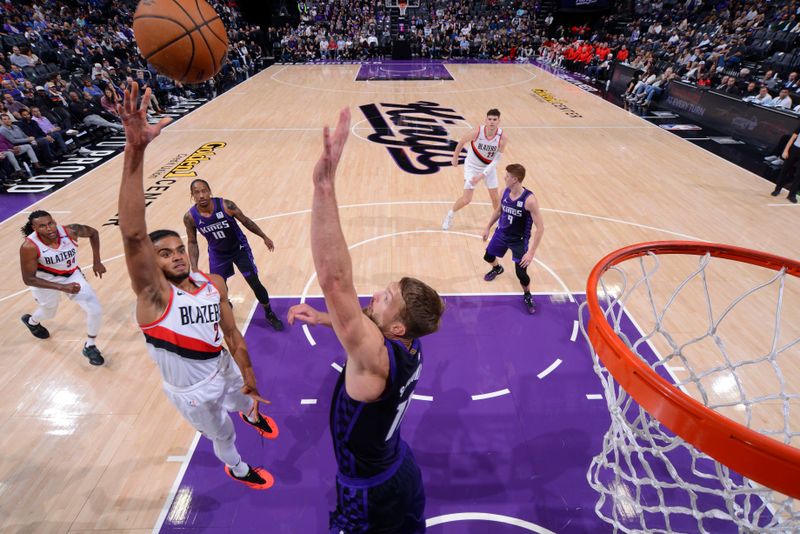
(223, 233)
(515, 220)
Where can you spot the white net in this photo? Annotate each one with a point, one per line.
(724, 333)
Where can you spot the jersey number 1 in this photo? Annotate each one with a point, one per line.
(401, 411)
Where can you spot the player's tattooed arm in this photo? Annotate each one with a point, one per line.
(233, 210)
(191, 238)
(29, 261)
(83, 230)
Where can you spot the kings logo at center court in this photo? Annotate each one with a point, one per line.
(415, 134)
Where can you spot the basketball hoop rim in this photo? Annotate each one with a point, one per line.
(760, 458)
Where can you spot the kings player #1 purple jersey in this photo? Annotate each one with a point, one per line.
(515, 220)
(222, 232)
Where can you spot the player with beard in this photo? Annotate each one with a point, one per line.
(49, 261)
(216, 219)
(184, 316)
(378, 484)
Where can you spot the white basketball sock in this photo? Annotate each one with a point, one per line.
(240, 469)
(254, 418)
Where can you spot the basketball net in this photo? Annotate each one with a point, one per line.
(648, 478)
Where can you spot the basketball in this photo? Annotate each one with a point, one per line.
(183, 39)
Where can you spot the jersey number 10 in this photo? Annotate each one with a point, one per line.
(220, 234)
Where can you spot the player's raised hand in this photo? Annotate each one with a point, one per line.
(138, 132)
(303, 313)
(332, 147)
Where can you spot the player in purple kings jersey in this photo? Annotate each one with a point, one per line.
(517, 212)
(227, 245)
(378, 484)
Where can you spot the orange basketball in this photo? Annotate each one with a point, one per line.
(183, 39)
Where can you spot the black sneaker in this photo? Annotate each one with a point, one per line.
(776, 192)
(37, 330)
(792, 199)
(491, 275)
(273, 320)
(93, 353)
(529, 304)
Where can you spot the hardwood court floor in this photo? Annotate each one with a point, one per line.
(89, 449)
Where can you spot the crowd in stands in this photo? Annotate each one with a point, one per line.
(438, 29)
(703, 44)
(64, 65)
(336, 30)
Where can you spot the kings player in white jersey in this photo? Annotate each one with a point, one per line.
(486, 143)
(49, 261)
(185, 315)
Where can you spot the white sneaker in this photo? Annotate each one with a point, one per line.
(71, 132)
(448, 221)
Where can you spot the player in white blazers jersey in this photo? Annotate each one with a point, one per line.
(486, 143)
(49, 261)
(185, 316)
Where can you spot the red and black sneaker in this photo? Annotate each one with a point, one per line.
(265, 425)
(257, 478)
